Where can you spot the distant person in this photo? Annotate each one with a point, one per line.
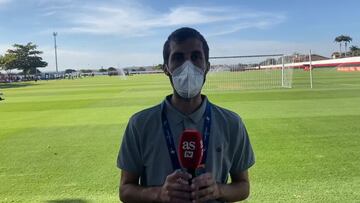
(148, 172)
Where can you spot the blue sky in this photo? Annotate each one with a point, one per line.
(122, 33)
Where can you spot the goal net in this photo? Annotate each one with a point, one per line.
(248, 72)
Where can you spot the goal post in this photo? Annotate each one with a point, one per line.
(249, 72)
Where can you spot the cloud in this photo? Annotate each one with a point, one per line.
(3, 2)
(133, 19)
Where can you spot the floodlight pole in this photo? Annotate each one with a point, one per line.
(56, 63)
(310, 66)
(282, 71)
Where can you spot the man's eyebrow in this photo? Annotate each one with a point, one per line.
(196, 52)
(177, 53)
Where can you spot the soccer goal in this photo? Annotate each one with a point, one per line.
(248, 72)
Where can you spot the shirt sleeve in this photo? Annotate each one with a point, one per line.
(129, 157)
(244, 156)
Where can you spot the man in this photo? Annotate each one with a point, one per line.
(148, 171)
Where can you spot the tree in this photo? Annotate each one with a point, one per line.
(23, 57)
(355, 51)
(6, 61)
(141, 69)
(338, 39)
(158, 67)
(102, 70)
(69, 71)
(34, 71)
(343, 38)
(86, 71)
(346, 39)
(335, 55)
(112, 69)
(1, 62)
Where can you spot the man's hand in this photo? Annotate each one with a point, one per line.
(204, 188)
(176, 188)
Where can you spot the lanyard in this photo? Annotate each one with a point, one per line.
(170, 140)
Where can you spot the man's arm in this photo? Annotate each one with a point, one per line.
(175, 189)
(238, 189)
(205, 188)
(130, 191)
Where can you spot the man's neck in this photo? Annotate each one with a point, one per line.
(186, 106)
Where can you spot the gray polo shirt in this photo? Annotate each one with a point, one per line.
(144, 150)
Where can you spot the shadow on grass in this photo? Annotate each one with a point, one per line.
(66, 201)
(16, 85)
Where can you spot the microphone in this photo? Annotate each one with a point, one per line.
(191, 150)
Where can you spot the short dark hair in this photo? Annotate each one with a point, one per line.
(181, 35)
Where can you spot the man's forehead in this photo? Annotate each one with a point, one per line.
(187, 45)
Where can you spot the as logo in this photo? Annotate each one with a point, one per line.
(188, 154)
(188, 145)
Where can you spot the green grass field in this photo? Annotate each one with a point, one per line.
(59, 139)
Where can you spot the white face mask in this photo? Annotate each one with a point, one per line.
(188, 79)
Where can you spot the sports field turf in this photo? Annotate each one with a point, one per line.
(59, 139)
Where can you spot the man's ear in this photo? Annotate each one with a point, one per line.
(207, 67)
(166, 69)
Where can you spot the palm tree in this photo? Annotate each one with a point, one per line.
(346, 39)
(343, 38)
(355, 50)
(339, 40)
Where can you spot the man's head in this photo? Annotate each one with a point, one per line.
(186, 61)
(185, 44)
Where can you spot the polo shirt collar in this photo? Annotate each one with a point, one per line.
(176, 116)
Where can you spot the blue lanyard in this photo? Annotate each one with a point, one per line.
(170, 140)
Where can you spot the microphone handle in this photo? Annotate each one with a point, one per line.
(193, 174)
(196, 172)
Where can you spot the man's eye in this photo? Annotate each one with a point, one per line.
(177, 57)
(195, 57)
